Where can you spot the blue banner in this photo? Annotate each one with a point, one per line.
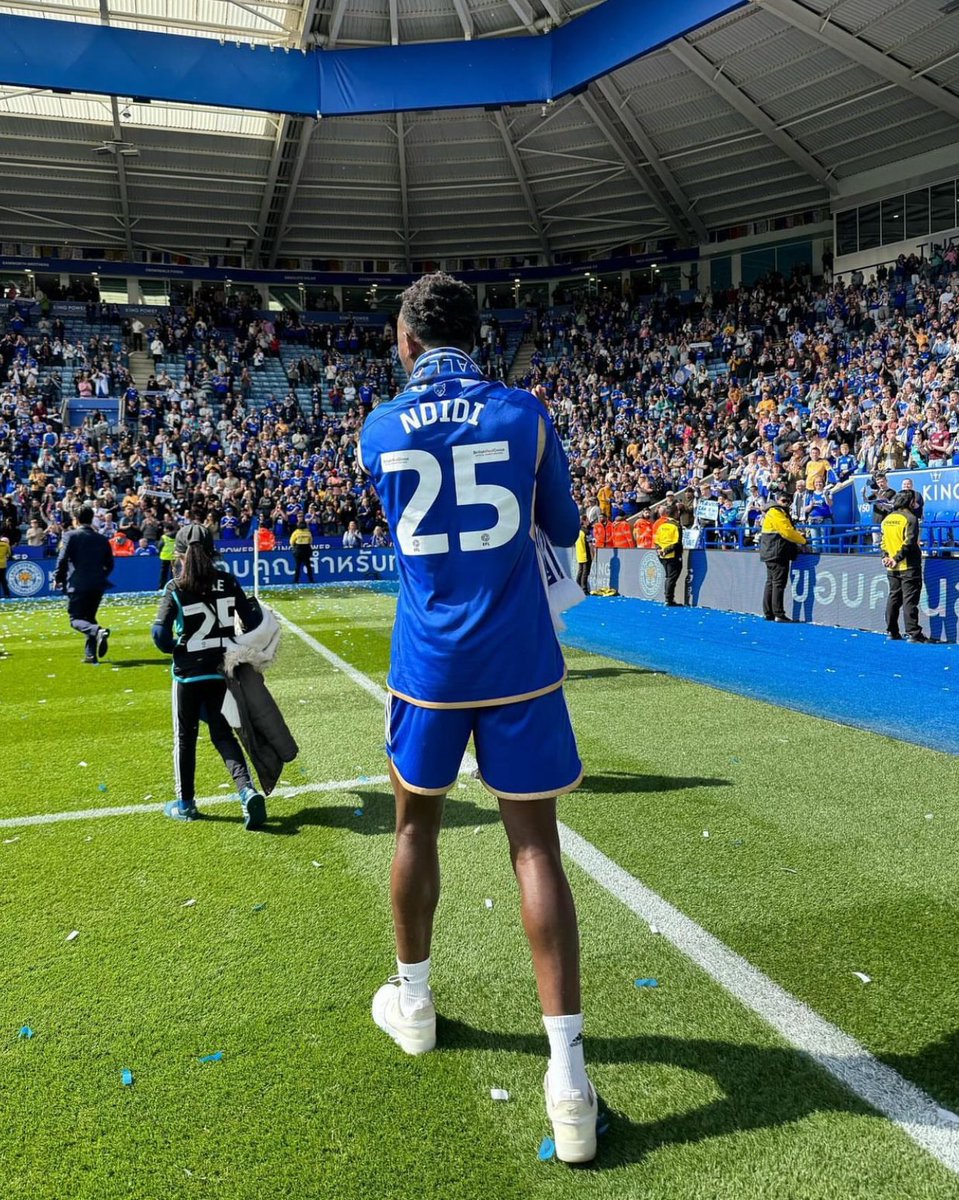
(30, 577)
(245, 275)
(847, 590)
(473, 73)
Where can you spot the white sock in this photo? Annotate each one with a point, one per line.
(567, 1068)
(414, 982)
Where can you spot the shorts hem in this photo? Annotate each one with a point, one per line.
(420, 791)
(548, 795)
(435, 704)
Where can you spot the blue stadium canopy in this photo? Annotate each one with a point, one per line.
(760, 111)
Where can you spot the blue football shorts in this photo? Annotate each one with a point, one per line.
(525, 751)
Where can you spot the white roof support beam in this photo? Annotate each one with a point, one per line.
(520, 172)
(306, 135)
(336, 21)
(404, 188)
(524, 10)
(466, 19)
(122, 188)
(304, 26)
(642, 139)
(122, 179)
(834, 36)
(629, 162)
(552, 11)
(709, 73)
(394, 22)
(269, 188)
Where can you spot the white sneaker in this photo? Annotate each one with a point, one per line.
(574, 1123)
(415, 1031)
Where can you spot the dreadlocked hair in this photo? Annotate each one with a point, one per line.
(439, 310)
(197, 571)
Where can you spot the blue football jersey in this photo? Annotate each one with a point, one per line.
(465, 469)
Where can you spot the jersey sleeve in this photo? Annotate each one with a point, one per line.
(162, 632)
(556, 512)
(249, 613)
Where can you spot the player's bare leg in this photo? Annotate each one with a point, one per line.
(549, 918)
(406, 1012)
(415, 875)
(546, 902)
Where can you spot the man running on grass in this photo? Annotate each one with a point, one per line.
(465, 469)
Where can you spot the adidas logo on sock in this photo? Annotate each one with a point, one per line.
(577, 1040)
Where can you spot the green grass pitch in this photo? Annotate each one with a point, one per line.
(821, 861)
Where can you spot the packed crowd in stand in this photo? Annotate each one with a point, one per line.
(789, 387)
(786, 388)
(197, 440)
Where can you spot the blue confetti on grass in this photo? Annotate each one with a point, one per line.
(602, 1124)
(102, 787)
(25, 1032)
(259, 907)
(357, 812)
(646, 983)
(208, 1058)
(547, 1149)
(127, 1078)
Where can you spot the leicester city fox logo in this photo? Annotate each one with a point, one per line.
(650, 576)
(25, 578)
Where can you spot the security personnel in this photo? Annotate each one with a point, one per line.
(643, 531)
(602, 534)
(83, 568)
(265, 538)
(121, 545)
(902, 559)
(668, 541)
(623, 535)
(5, 556)
(167, 552)
(301, 543)
(779, 545)
(584, 556)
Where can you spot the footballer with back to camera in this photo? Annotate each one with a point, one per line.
(466, 470)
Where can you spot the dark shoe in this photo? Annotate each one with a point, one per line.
(90, 662)
(895, 635)
(254, 808)
(917, 637)
(765, 618)
(785, 620)
(103, 642)
(673, 604)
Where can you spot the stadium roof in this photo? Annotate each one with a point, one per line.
(761, 112)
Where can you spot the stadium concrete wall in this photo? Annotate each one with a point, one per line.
(844, 590)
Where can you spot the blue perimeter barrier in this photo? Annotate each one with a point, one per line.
(32, 578)
(845, 590)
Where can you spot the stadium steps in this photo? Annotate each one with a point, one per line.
(523, 359)
(141, 367)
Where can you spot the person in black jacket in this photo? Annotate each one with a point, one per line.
(779, 544)
(880, 495)
(83, 568)
(195, 624)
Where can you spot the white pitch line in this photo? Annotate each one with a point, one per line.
(361, 680)
(901, 1102)
(131, 810)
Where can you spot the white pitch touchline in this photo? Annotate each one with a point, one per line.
(361, 680)
(904, 1104)
(130, 810)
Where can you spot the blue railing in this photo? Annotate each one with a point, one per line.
(937, 538)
